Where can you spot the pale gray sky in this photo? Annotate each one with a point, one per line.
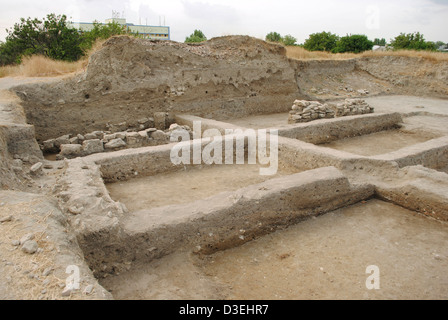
(376, 19)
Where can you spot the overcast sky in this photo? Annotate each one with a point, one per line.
(376, 19)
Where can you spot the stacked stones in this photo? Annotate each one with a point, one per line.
(99, 141)
(306, 111)
(352, 107)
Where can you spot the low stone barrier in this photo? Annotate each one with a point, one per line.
(306, 111)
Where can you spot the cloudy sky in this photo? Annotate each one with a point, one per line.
(299, 18)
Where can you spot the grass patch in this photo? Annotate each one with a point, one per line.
(41, 66)
(303, 54)
(428, 55)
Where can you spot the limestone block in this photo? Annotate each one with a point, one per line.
(115, 144)
(92, 146)
(71, 150)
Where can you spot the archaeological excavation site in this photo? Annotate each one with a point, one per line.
(225, 170)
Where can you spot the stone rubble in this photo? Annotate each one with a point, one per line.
(352, 107)
(72, 146)
(36, 169)
(306, 111)
(30, 247)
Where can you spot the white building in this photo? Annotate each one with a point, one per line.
(148, 32)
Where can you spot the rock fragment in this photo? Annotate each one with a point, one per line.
(115, 144)
(30, 247)
(37, 168)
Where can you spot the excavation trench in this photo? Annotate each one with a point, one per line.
(139, 218)
(322, 258)
(186, 185)
(349, 192)
(151, 210)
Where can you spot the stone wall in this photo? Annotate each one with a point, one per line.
(306, 111)
(327, 130)
(80, 145)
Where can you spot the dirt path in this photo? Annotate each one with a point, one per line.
(8, 82)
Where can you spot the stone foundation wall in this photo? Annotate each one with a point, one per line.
(306, 111)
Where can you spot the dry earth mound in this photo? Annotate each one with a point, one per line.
(132, 78)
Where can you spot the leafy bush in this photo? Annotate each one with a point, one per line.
(323, 41)
(379, 42)
(412, 41)
(353, 43)
(50, 37)
(196, 36)
(289, 40)
(273, 37)
(101, 31)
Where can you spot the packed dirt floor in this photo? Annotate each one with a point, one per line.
(188, 185)
(128, 224)
(380, 142)
(322, 258)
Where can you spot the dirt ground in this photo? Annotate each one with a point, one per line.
(382, 104)
(322, 258)
(188, 185)
(42, 275)
(380, 142)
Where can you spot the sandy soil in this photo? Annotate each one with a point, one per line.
(322, 258)
(424, 123)
(408, 104)
(277, 120)
(8, 82)
(187, 185)
(42, 275)
(379, 142)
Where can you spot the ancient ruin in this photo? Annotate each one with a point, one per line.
(88, 180)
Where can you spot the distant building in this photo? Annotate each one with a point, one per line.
(387, 47)
(148, 32)
(379, 48)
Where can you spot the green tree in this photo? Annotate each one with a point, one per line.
(274, 37)
(102, 31)
(8, 54)
(63, 42)
(379, 42)
(440, 44)
(322, 41)
(196, 36)
(353, 43)
(289, 40)
(50, 36)
(412, 41)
